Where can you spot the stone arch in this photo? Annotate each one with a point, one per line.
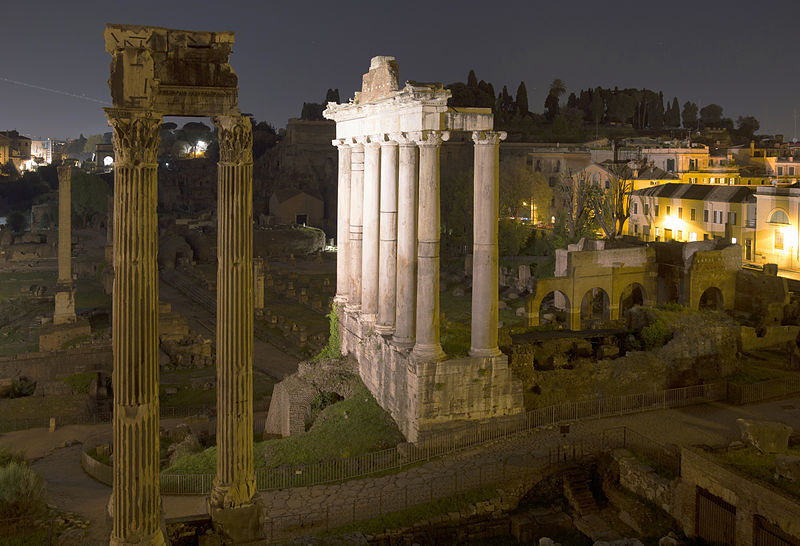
(595, 308)
(554, 308)
(712, 299)
(633, 294)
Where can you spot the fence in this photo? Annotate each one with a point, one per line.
(756, 392)
(392, 459)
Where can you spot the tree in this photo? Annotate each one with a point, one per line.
(75, 146)
(472, 80)
(17, 221)
(332, 96)
(551, 106)
(557, 88)
(49, 174)
(597, 106)
(515, 187)
(612, 207)
(92, 142)
(747, 126)
(575, 196)
(711, 115)
(690, 115)
(522, 99)
(672, 117)
(89, 197)
(457, 210)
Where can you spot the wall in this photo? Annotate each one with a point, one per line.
(52, 366)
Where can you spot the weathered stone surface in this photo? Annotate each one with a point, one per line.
(788, 466)
(381, 79)
(766, 436)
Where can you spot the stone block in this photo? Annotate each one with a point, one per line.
(766, 436)
(522, 528)
(788, 466)
(243, 525)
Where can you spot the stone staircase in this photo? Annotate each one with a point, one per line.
(577, 490)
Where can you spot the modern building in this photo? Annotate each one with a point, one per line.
(777, 237)
(695, 212)
(16, 149)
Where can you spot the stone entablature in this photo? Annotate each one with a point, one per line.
(388, 259)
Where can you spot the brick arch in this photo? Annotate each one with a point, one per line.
(628, 297)
(567, 307)
(711, 298)
(590, 301)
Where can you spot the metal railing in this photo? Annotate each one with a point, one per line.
(764, 390)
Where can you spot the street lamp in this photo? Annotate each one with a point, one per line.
(525, 203)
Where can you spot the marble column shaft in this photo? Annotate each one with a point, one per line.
(371, 243)
(387, 265)
(427, 345)
(483, 342)
(406, 295)
(65, 225)
(342, 221)
(234, 484)
(136, 496)
(356, 228)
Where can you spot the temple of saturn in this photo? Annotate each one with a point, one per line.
(388, 255)
(157, 72)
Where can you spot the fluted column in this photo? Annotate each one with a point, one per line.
(356, 227)
(234, 484)
(387, 264)
(427, 346)
(342, 221)
(484, 248)
(404, 333)
(370, 249)
(136, 496)
(65, 290)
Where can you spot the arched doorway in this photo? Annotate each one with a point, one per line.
(595, 309)
(711, 299)
(554, 309)
(632, 295)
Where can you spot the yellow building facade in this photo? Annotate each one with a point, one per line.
(777, 238)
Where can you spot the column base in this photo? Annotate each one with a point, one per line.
(402, 342)
(352, 307)
(485, 353)
(156, 539)
(340, 300)
(428, 353)
(384, 329)
(240, 525)
(369, 318)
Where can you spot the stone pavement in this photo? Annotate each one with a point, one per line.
(520, 457)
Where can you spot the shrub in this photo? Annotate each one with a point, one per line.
(656, 334)
(22, 492)
(80, 382)
(22, 386)
(334, 347)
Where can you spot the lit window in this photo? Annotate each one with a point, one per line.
(705, 215)
(779, 217)
(646, 209)
(733, 240)
(658, 231)
(791, 171)
(692, 235)
(680, 234)
(636, 208)
(680, 213)
(693, 214)
(711, 180)
(656, 211)
(732, 218)
(668, 210)
(780, 171)
(778, 239)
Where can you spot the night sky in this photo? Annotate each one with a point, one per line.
(288, 52)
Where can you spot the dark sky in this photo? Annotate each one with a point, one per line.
(291, 51)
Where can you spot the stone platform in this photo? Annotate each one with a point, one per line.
(53, 336)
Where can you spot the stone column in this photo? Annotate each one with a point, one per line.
(484, 248)
(65, 290)
(342, 221)
(404, 333)
(356, 227)
(427, 346)
(387, 268)
(370, 249)
(136, 496)
(234, 485)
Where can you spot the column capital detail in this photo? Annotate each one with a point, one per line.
(341, 142)
(235, 139)
(135, 134)
(390, 139)
(433, 138)
(488, 138)
(407, 138)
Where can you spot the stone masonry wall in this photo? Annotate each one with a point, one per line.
(425, 398)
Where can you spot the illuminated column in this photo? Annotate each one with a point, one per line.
(65, 290)
(406, 243)
(427, 346)
(136, 496)
(342, 221)
(356, 227)
(387, 276)
(369, 265)
(234, 484)
(484, 248)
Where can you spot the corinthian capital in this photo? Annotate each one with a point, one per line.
(488, 138)
(433, 138)
(235, 139)
(135, 136)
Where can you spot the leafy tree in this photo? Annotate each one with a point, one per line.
(457, 209)
(472, 80)
(89, 197)
(572, 101)
(672, 117)
(747, 126)
(557, 88)
(92, 142)
(312, 111)
(512, 236)
(522, 99)
(332, 95)
(612, 207)
(711, 115)
(17, 221)
(516, 186)
(597, 106)
(10, 170)
(49, 174)
(75, 146)
(551, 107)
(575, 196)
(689, 115)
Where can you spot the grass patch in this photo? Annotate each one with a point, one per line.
(89, 294)
(760, 466)
(262, 387)
(80, 382)
(366, 428)
(409, 516)
(18, 283)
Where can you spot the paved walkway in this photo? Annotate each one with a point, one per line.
(71, 489)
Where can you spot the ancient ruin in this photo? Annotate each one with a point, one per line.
(157, 72)
(388, 263)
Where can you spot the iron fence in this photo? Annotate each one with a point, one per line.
(764, 390)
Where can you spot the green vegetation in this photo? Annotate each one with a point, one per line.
(334, 347)
(80, 382)
(75, 342)
(409, 516)
(22, 492)
(348, 428)
(186, 397)
(760, 466)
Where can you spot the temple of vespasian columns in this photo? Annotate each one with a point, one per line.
(388, 229)
(157, 72)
